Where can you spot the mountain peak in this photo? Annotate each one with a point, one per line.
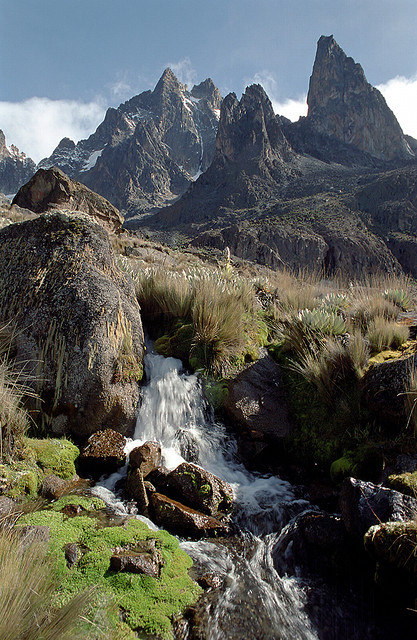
(343, 105)
(168, 82)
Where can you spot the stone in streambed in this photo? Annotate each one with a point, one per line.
(103, 453)
(146, 458)
(177, 517)
(200, 489)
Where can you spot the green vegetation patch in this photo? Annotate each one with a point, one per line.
(405, 483)
(54, 455)
(148, 603)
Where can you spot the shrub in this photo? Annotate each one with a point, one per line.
(399, 297)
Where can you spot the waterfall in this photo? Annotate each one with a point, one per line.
(254, 601)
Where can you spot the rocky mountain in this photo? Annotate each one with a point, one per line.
(343, 105)
(293, 194)
(15, 167)
(147, 151)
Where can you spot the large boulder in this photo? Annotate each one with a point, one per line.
(147, 457)
(386, 385)
(77, 322)
(52, 189)
(256, 401)
(104, 452)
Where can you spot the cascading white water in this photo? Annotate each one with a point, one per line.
(255, 602)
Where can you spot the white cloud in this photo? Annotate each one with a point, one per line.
(401, 96)
(184, 71)
(290, 108)
(37, 125)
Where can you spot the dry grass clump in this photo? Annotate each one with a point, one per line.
(27, 585)
(332, 367)
(410, 397)
(217, 317)
(386, 334)
(13, 417)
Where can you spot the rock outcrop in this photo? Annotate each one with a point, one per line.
(15, 167)
(343, 105)
(147, 151)
(51, 189)
(77, 322)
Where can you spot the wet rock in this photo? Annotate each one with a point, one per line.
(53, 487)
(188, 445)
(256, 400)
(316, 541)
(200, 489)
(103, 453)
(181, 519)
(393, 546)
(146, 458)
(210, 581)
(145, 559)
(135, 488)
(364, 504)
(71, 554)
(77, 323)
(159, 479)
(52, 189)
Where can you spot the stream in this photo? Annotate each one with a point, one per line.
(254, 602)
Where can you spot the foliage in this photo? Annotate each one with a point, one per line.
(54, 455)
(148, 604)
(28, 580)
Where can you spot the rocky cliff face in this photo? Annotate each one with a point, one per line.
(253, 163)
(15, 167)
(51, 189)
(343, 105)
(147, 151)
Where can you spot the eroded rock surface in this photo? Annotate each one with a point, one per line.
(77, 322)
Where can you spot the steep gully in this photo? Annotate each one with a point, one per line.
(254, 601)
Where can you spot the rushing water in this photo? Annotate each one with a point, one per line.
(254, 601)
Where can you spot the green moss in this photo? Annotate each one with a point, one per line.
(148, 603)
(90, 503)
(341, 468)
(405, 483)
(54, 456)
(216, 391)
(205, 490)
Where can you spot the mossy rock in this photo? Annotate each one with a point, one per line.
(405, 483)
(54, 455)
(341, 469)
(148, 604)
(177, 343)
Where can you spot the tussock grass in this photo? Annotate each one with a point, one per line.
(386, 334)
(218, 325)
(27, 585)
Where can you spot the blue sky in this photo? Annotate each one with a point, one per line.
(77, 57)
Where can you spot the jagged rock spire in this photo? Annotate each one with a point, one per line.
(343, 105)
